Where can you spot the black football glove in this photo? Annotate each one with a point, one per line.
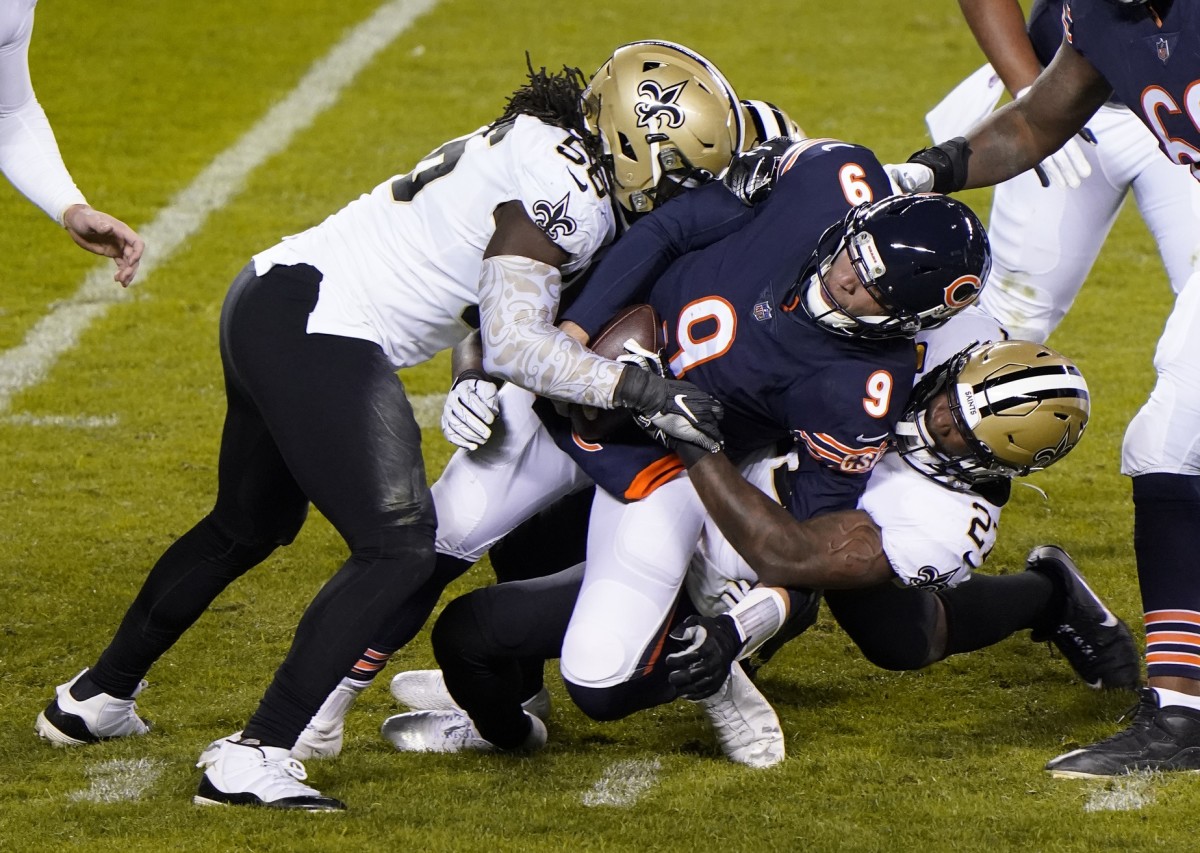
(670, 409)
(707, 649)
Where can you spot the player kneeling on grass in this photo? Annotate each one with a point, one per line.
(985, 414)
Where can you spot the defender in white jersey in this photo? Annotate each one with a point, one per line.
(312, 332)
(30, 159)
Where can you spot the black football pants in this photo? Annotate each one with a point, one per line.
(313, 418)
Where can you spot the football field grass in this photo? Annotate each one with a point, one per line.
(217, 127)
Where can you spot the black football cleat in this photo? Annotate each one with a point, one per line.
(1098, 645)
(1156, 740)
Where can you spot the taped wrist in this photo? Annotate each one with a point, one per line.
(757, 617)
(948, 161)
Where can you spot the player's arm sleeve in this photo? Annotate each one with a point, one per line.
(29, 155)
(698, 218)
(518, 298)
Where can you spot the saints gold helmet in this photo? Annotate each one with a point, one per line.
(1020, 407)
(764, 120)
(661, 111)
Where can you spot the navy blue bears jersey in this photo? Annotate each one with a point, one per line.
(731, 330)
(1152, 63)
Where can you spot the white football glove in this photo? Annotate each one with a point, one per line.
(1067, 167)
(908, 178)
(470, 411)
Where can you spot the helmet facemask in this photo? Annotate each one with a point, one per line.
(820, 303)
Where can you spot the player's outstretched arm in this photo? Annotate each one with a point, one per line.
(838, 550)
(1017, 136)
(106, 235)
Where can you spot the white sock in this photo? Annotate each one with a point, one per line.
(1174, 697)
(339, 701)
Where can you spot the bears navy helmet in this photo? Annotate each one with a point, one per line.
(922, 257)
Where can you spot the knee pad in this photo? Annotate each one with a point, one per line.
(456, 634)
(595, 657)
(897, 657)
(272, 526)
(893, 627)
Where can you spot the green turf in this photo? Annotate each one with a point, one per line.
(143, 96)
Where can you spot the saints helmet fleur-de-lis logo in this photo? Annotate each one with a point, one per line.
(552, 217)
(658, 105)
(1048, 455)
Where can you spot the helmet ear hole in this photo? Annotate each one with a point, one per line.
(627, 147)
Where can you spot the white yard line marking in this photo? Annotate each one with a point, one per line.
(65, 421)
(624, 783)
(426, 407)
(1123, 794)
(120, 780)
(29, 363)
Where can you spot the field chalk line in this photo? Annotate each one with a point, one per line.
(30, 362)
(120, 780)
(624, 783)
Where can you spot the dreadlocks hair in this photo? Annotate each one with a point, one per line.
(555, 99)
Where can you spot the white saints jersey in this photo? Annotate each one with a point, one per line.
(401, 264)
(933, 536)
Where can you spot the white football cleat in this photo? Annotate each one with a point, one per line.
(744, 722)
(66, 721)
(243, 773)
(448, 731)
(425, 690)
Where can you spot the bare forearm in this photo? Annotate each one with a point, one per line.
(467, 355)
(1022, 134)
(840, 550)
(999, 28)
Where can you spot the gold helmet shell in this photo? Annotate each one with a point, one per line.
(661, 109)
(764, 120)
(1019, 405)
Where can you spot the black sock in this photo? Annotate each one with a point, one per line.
(987, 608)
